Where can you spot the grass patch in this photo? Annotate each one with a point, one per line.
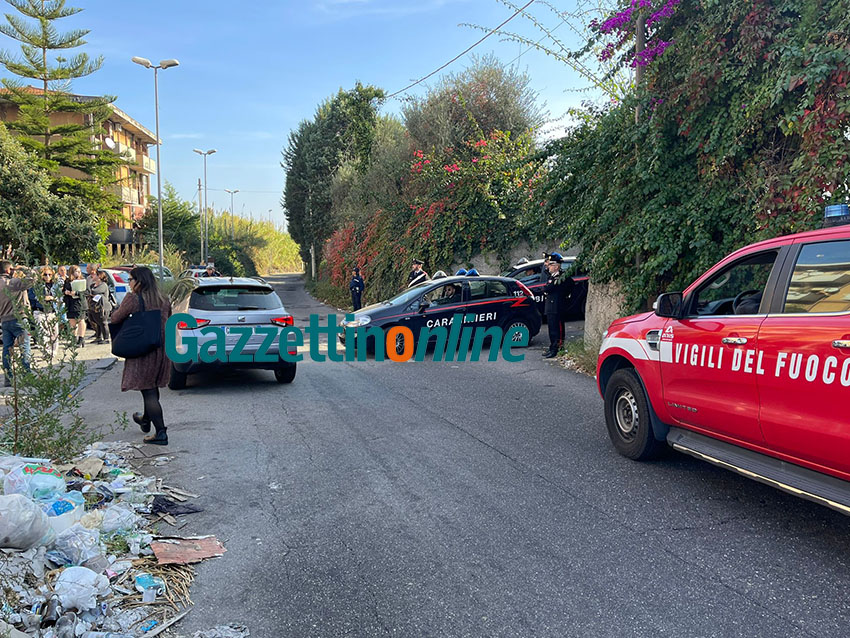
(327, 293)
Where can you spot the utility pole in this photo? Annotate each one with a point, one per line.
(200, 217)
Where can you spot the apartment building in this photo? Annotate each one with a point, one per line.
(123, 136)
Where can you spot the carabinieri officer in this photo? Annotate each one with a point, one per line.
(417, 275)
(558, 287)
(357, 286)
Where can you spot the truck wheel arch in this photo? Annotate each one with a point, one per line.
(617, 362)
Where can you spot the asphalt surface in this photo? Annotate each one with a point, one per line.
(473, 499)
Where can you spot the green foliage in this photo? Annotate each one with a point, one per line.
(743, 137)
(488, 96)
(44, 419)
(57, 128)
(38, 225)
(451, 206)
(341, 130)
(181, 224)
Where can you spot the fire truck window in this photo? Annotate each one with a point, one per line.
(821, 279)
(737, 290)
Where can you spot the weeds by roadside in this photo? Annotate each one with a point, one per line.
(327, 293)
(42, 417)
(581, 357)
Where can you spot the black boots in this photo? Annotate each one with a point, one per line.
(144, 422)
(81, 343)
(158, 438)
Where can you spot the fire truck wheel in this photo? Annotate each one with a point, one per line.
(627, 417)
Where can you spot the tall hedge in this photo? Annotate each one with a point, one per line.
(743, 134)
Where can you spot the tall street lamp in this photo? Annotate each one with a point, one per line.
(205, 238)
(164, 64)
(232, 193)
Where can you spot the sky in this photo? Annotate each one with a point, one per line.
(250, 72)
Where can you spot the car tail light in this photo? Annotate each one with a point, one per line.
(285, 320)
(182, 325)
(525, 289)
(118, 278)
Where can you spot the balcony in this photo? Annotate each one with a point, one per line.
(126, 194)
(125, 151)
(121, 236)
(148, 164)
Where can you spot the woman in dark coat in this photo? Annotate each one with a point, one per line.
(76, 305)
(149, 372)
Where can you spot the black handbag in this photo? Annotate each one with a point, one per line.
(139, 334)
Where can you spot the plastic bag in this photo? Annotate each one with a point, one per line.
(75, 546)
(79, 587)
(22, 523)
(63, 511)
(118, 517)
(39, 482)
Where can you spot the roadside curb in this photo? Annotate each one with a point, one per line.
(95, 370)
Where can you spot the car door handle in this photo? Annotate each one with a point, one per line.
(735, 341)
(841, 343)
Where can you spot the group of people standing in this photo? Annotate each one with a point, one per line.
(56, 301)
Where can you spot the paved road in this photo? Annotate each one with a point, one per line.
(436, 499)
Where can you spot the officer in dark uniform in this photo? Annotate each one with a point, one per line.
(357, 286)
(417, 275)
(557, 289)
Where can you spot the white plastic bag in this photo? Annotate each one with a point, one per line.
(120, 516)
(39, 482)
(79, 587)
(23, 524)
(75, 546)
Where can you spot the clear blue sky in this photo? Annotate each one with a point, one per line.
(249, 72)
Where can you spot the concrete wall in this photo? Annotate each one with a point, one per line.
(604, 304)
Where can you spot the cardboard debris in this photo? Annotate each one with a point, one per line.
(89, 466)
(182, 551)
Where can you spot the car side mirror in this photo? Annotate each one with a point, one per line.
(669, 305)
(423, 303)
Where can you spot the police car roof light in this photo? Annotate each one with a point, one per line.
(836, 215)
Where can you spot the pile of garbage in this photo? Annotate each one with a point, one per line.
(78, 556)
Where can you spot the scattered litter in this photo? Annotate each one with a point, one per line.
(182, 551)
(75, 541)
(79, 587)
(23, 524)
(164, 505)
(38, 482)
(224, 631)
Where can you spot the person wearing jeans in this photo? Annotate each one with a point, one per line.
(13, 295)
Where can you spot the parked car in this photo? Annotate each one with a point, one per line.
(119, 283)
(193, 272)
(484, 301)
(748, 368)
(166, 273)
(229, 303)
(533, 275)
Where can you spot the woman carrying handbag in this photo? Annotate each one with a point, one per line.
(147, 370)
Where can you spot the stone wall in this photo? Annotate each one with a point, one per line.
(488, 263)
(604, 304)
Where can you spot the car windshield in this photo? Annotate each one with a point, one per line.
(234, 298)
(407, 296)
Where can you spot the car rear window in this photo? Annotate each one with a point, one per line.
(234, 298)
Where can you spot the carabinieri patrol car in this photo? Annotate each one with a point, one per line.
(749, 368)
(491, 301)
(534, 275)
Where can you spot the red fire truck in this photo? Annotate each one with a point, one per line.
(748, 368)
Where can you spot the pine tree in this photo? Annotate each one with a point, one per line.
(56, 127)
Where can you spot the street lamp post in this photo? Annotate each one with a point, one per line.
(164, 64)
(205, 242)
(232, 193)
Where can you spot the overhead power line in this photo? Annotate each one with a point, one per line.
(463, 53)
